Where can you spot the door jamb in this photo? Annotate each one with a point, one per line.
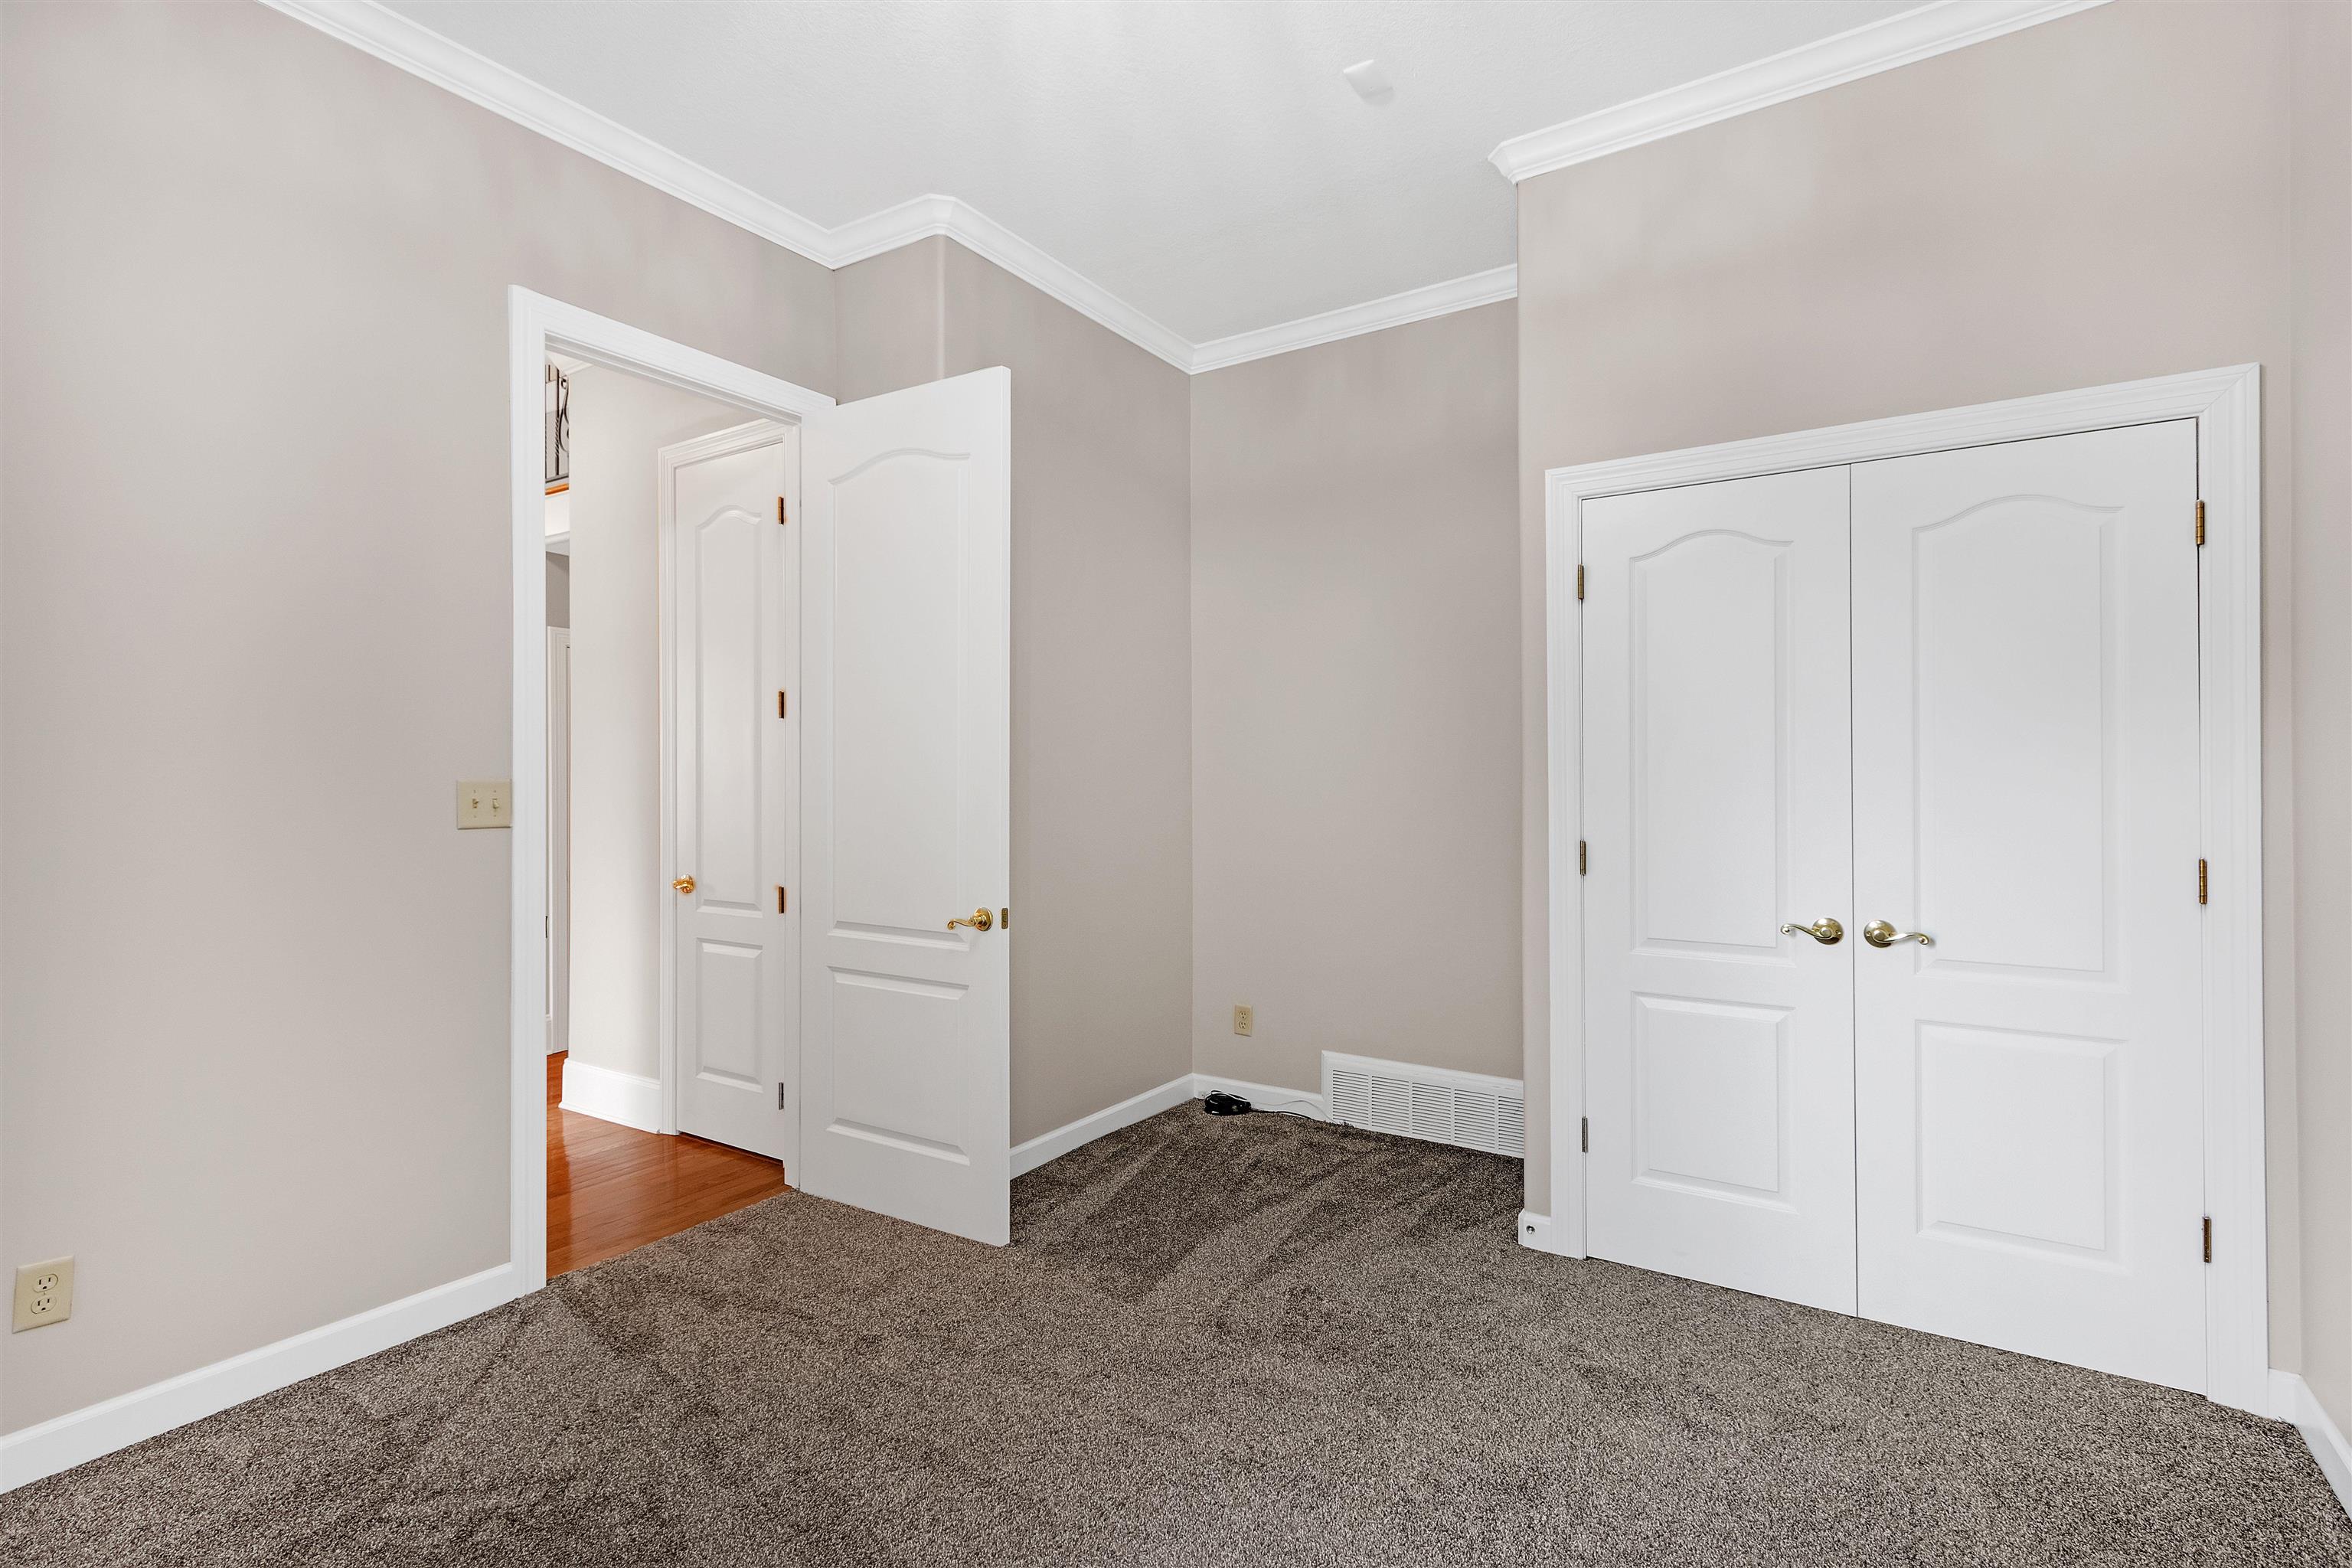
(559, 743)
(535, 325)
(2226, 406)
(667, 462)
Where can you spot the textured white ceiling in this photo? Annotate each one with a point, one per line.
(1206, 163)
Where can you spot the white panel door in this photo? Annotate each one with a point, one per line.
(907, 824)
(1718, 1045)
(2025, 793)
(730, 792)
(559, 839)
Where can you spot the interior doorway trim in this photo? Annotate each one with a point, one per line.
(536, 324)
(2226, 404)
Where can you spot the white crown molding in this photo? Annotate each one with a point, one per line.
(983, 236)
(368, 26)
(389, 35)
(1932, 29)
(1353, 320)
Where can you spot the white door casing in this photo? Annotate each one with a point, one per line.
(729, 749)
(905, 1035)
(2029, 1087)
(1719, 1048)
(559, 839)
(536, 327)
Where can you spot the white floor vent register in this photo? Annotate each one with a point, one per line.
(1468, 1109)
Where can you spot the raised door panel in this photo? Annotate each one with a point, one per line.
(894, 1074)
(730, 599)
(1717, 1047)
(2012, 732)
(896, 795)
(1709, 638)
(1711, 1098)
(2029, 1083)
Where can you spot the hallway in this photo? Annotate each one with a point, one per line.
(612, 1188)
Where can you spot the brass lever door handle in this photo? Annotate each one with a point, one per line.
(981, 920)
(1878, 933)
(683, 884)
(1825, 930)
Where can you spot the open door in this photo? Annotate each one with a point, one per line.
(906, 1064)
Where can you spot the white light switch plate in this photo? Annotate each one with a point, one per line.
(485, 803)
(44, 1293)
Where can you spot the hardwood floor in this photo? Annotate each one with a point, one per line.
(610, 1188)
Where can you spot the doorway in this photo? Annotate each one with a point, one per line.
(894, 1058)
(627, 1165)
(1969, 699)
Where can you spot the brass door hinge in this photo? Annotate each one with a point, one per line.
(2200, 524)
(781, 901)
(2208, 1238)
(780, 510)
(1583, 858)
(2200, 881)
(1579, 579)
(1585, 1133)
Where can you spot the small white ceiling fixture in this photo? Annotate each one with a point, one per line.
(1370, 80)
(1181, 172)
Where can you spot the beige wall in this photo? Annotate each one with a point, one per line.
(2320, 405)
(1102, 821)
(254, 1053)
(619, 425)
(1355, 703)
(888, 326)
(2092, 200)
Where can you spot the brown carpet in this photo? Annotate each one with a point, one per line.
(1255, 1341)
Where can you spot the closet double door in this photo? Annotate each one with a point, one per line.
(1891, 930)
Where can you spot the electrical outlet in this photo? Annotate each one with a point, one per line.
(44, 1293)
(485, 803)
(1244, 1017)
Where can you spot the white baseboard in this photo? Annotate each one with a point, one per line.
(1262, 1096)
(1046, 1146)
(1538, 1233)
(611, 1096)
(2291, 1400)
(84, 1435)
